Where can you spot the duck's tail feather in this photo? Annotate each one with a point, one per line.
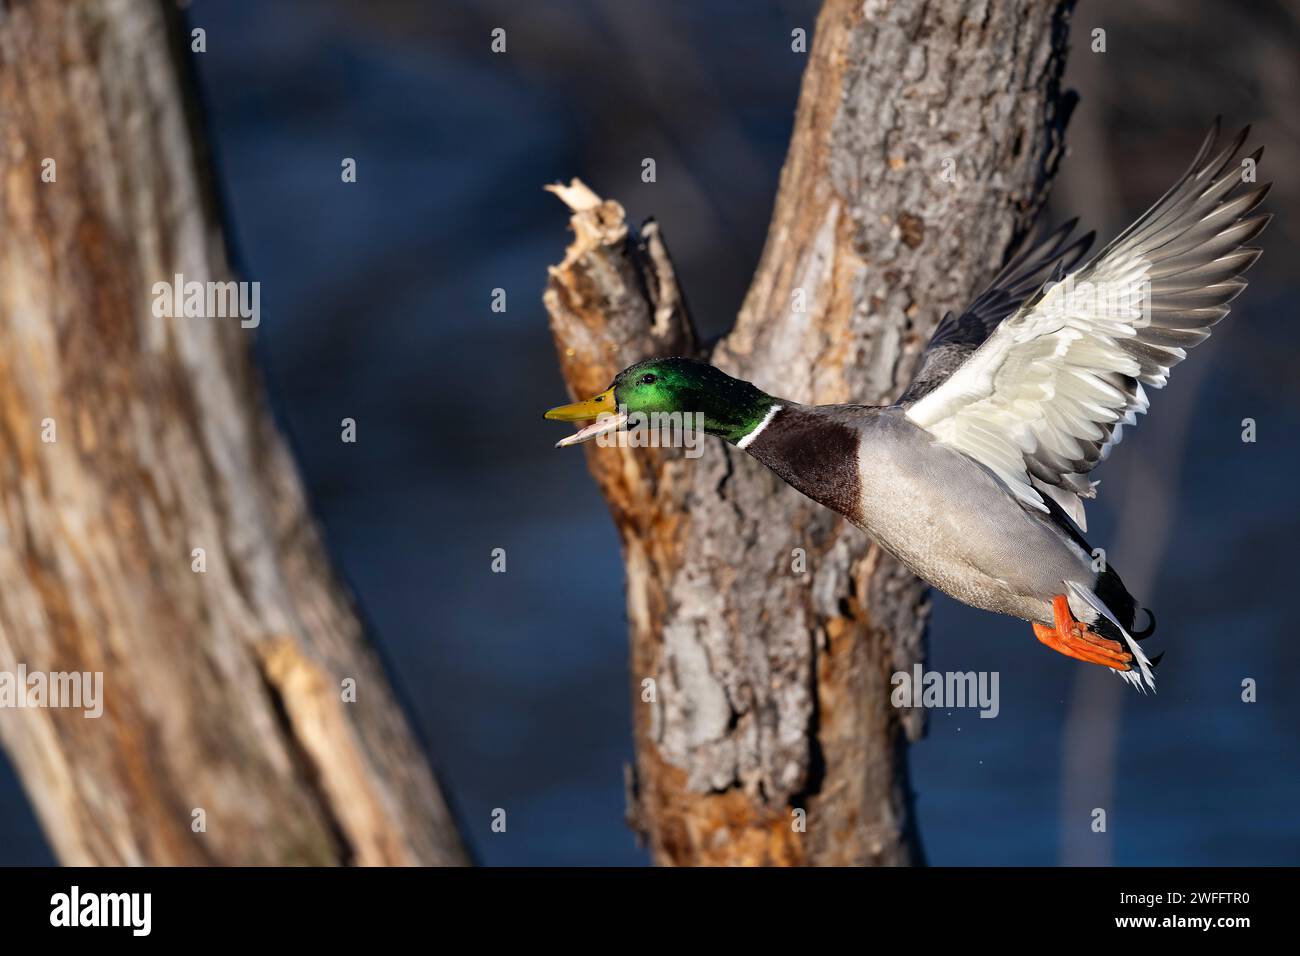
(1148, 630)
(1141, 678)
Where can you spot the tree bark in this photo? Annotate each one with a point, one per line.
(925, 139)
(223, 690)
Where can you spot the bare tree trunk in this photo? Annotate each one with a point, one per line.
(926, 136)
(223, 690)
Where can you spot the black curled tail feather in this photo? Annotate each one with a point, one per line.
(1115, 596)
(1148, 630)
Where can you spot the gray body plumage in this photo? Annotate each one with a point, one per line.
(937, 510)
(987, 551)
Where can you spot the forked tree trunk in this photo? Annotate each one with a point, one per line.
(223, 690)
(926, 135)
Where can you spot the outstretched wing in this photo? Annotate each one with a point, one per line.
(957, 336)
(1047, 394)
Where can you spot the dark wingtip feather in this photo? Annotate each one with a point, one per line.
(1223, 159)
(1085, 243)
(1211, 138)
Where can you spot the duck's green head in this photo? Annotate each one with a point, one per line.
(730, 408)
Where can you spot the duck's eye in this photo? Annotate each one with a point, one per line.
(649, 378)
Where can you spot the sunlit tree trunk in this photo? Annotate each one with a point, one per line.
(152, 524)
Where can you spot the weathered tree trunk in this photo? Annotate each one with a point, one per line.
(222, 689)
(925, 138)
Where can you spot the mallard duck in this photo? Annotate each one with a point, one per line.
(975, 477)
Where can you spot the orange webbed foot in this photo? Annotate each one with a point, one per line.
(1073, 639)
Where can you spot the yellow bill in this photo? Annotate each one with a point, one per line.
(601, 408)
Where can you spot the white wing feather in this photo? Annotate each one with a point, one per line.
(1046, 396)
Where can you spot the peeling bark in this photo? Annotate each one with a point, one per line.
(222, 689)
(925, 139)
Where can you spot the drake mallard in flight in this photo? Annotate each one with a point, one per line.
(974, 478)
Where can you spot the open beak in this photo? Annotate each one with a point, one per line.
(601, 408)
